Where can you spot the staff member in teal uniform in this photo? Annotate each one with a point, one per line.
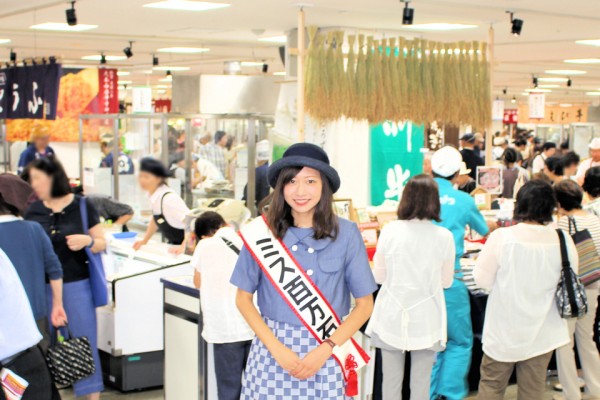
(449, 376)
(168, 208)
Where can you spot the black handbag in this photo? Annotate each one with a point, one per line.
(570, 294)
(71, 360)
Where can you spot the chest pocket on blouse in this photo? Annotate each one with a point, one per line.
(331, 264)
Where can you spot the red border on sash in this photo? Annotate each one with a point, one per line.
(363, 354)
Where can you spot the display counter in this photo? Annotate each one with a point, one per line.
(130, 327)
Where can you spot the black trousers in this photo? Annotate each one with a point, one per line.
(230, 363)
(31, 366)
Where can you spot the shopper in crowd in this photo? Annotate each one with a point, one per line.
(500, 144)
(548, 150)
(570, 161)
(463, 181)
(410, 311)
(569, 196)
(124, 162)
(449, 376)
(32, 255)
(521, 266)
(469, 156)
(214, 260)
(215, 152)
(593, 161)
(591, 186)
(286, 361)
(520, 146)
(169, 211)
(59, 213)
(554, 169)
(19, 350)
(262, 189)
(513, 176)
(563, 148)
(111, 210)
(427, 163)
(39, 147)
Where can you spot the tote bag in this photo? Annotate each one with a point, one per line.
(97, 275)
(570, 293)
(589, 261)
(71, 360)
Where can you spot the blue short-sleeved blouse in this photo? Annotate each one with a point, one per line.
(338, 267)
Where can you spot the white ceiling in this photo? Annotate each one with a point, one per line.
(549, 33)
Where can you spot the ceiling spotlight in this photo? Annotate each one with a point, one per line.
(155, 61)
(408, 14)
(265, 68)
(513, 100)
(13, 56)
(128, 50)
(169, 73)
(102, 59)
(569, 82)
(504, 91)
(517, 24)
(534, 81)
(71, 16)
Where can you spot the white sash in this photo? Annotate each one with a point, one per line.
(301, 294)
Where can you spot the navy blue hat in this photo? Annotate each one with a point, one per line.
(305, 155)
(154, 167)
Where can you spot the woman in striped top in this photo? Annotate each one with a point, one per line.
(569, 196)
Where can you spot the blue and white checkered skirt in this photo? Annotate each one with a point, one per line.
(265, 380)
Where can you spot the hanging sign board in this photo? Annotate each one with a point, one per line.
(142, 100)
(537, 105)
(511, 116)
(498, 110)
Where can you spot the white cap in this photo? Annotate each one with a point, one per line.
(263, 150)
(499, 141)
(595, 144)
(446, 161)
(463, 169)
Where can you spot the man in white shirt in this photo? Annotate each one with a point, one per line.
(593, 161)
(548, 150)
(19, 335)
(214, 260)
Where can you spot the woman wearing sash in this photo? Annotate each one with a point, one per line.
(305, 263)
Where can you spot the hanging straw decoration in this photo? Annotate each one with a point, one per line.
(418, 80)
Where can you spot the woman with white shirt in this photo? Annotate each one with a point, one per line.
(169, 211)
(521, 265)
(573, 218)
(410, 311)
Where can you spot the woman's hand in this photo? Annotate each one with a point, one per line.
(58, 316)
(286, 358)
(177, 250)
(138, 244)
(78, 242)
(313, 362)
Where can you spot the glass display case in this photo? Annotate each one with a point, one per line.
(580, 135)
(178, 140)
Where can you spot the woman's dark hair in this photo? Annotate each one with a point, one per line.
(279, 215)
(591, 183)
(510, 156)
(208, 223)
(555, 165)
(6, 209)
(571, 158)
(54, 169)
(535, 202)
(569, 194)
(420, 199)
(548, 145)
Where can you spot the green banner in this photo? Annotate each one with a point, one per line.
(395, 157)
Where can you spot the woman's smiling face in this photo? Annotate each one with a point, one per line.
(303, 192)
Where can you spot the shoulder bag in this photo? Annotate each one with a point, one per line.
(96, 268)
(570, 294)
(71, 360)
(589, 261)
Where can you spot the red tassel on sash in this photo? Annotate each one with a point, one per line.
(352, 377)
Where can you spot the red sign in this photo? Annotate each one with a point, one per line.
(511, 117)
(162, 105)
(108, 91)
